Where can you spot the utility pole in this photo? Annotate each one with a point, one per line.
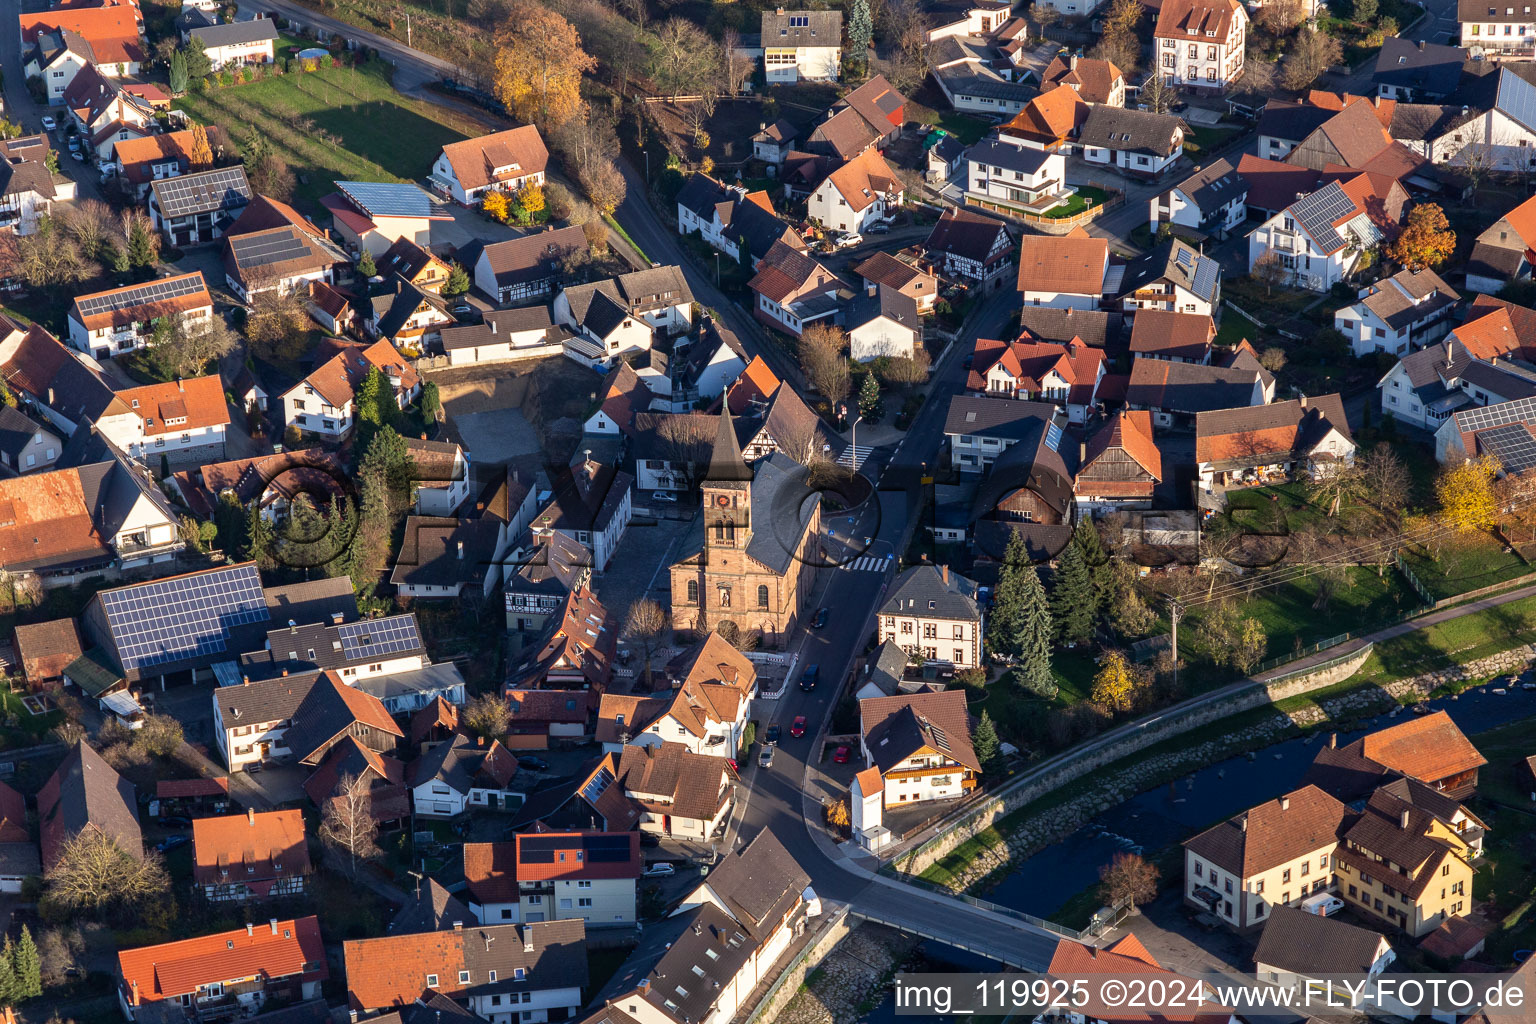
(1174, 614)
(407, 28)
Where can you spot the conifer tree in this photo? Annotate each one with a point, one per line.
(27, 967)
(1033, 671)
(365, 264)
(1006, 619)
(1073, 607)
(986, 744)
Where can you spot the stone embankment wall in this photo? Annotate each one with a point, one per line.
(851, 977)
(1128, 740)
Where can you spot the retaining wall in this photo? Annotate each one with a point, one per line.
(1071, 767)
(804, 963)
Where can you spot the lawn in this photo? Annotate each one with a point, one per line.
(1508, 877)
(967, 129)
(1235, 327)
(1085, 197)
(1202, 138)
(1464, 563)
(339, 123)
(1276, 509)
(1455, 641)
(1270, 305)
(1360, 603)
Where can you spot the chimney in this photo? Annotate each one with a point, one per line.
(250, 816)
(871, 288)
(944, 574)
(250, 929)
(293, 626)
(1450, 351)
(272, 923)
(1303, 401)
(458, 926)
(336, 618)
(527, 938)
(1421, 44)
(491, 323)
(423, 435)
(1402, 820)
(179, 385)
(1245, 823)
(1333, 741)
(50, 396)
(762, 126)
(461, 550)
(1072, 62)
(285, 672)
(1285, 803)
(779, 11)
(1082, 453)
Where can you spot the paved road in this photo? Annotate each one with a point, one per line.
(413, 67)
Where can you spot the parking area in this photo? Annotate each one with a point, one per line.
(466, 227)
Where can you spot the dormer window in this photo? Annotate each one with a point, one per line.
(135, 403)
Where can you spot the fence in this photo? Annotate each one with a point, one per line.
(833, 932)
(1321, 667)
(1495, 588)
(1050, 225)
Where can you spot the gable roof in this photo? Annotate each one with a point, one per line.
(1213, 185)
(865, 179)
(1094, 79)
(532, 257)
(1428, 748)
(965, 234)
(1074, 264)
(794, 28)
(1266, 431)
(137, 157)
(1189, 387)
(896, 728)
(1272, 833)
(86, 791)
(577, 855)
(1428, 68)
(490, 872)
(337, 379)
(329, 708)
(1409, 295)
(1050, 117)
(278, 949)
(1124, 129)
(1196, 19)
(1130, 431)
(434, 909)
(46, 649)
(1172, 334)
(786, 272)
(236, 33)
(668, 778)
(1272, 184)
(172, 407)
(758, 883)
(111, 32)
(262, 847)
(500, 156)
(1047, 323)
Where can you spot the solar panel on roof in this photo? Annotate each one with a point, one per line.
(1512, 444)
(182, 617)
(1318, 210)
(163, 290)
(222, 189)
(373, 637)
(597, 785)
(264, 250)
(1184, 258)
(607, 849)
(387, 199)
(1521, 410)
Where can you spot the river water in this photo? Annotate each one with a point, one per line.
(1041, 884)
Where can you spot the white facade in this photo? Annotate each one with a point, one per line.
(1368, 333)
(1026, 184)
(1174, 207)
(296, 282)
(786, 65)
(443, 169)
(1508, 34)
(883, 336)
(600, 902)
(240, 54)
(945, 640)
(105, 342)
(1210, 62)
(57, 76)
(838, 212)
(1135, 162)
(718, 739)
(537, 1005)
(1062, 300)
(445, 497)
(1306, 265)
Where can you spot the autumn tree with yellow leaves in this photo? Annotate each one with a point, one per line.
(1115, 685)
(496, 205)
(1427, 239)
(539, 64)
(1466, 495)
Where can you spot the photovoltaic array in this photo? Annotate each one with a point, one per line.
(164, 290)
(184, 616)
(373, 638)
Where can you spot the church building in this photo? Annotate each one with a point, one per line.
(756, 560)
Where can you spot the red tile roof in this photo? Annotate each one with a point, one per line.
(113, 32)
(542, 856)
(756, 382)
(490, 872)
(122, 315)
(45, 649)
(1196, 19)
(281, 949)
(339, 377)
(249, 847)
(1172, 334)
(476, 162)
(1074, 263)
(1428, 748)
(864, 179)
(176, 407)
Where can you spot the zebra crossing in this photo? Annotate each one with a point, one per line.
(869, 563)
(853, 456)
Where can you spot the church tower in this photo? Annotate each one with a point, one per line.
(727, 491)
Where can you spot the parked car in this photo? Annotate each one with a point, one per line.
(650, 839)
(848, 241)
(464, 311)
(765, 759)
(533, 764)
(881, 228)
(665, 497)
(734, 766)
(79, 154)
(1324, 904)
(821, 614)
(661, 869)
(170, 843)
(176, 821)
(773, 735)
(49, 124)
(841, 755)
(797, 727)
(810, 677)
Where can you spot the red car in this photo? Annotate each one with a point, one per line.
(841, 755)
(797, 727)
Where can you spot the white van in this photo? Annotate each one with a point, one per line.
(1324, 904)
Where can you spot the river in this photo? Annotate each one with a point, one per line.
(1169, 814)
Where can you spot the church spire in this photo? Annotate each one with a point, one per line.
(725, 462)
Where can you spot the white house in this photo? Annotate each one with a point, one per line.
(1303, 438)
(31, 189)
(1063, 271)
(934, 613)
(1213, 200)
(526, 269)
(55, 58)
(585, 875)
(730, 219)
(273, 247)
(1300, 948)
(183, 422)
(1410, 308)
(967, 17)
(802, 45)
(502, 161)
(25, 446)
(921, 745)
(882, 322)
(196, 208)
(1494, 26)
(591, 505)
(442, 476)
(794, 290)
(1198, 44)
(109, 323)
(1499, 254)
(1318, 239)
(1426, 387)
(1002, 173)
(322, 403)
(238, 43)
(971, 248)
(374, 215)
(525, 333)
(856, 195)
(1173, 276)
(452, 776)
(300, 718)
(1139, 143)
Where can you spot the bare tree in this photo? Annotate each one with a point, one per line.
(1272, 359)
(488, 717)
(349, 828)
(271, 176)
(1281, 17)
(1128, 881)
(735, 68)
(646, 626)
(912, 370)
(823, 361)
(1259, 71)
(158, 735)
(1157, 94)
(62, 952)
(1308, 56)
(277, 322)
(604, 185)
(93, 226)
(684, 61)
(185, 345)
(1269, 271)
(49, 259)
(1386, 481)
(93, 874)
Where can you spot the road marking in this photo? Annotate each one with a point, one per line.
(868, 563)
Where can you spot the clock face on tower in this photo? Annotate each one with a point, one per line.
(722, 500)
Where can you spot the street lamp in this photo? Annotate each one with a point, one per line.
(717, 270)
(855, 442)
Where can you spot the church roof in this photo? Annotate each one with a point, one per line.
(726, 464)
